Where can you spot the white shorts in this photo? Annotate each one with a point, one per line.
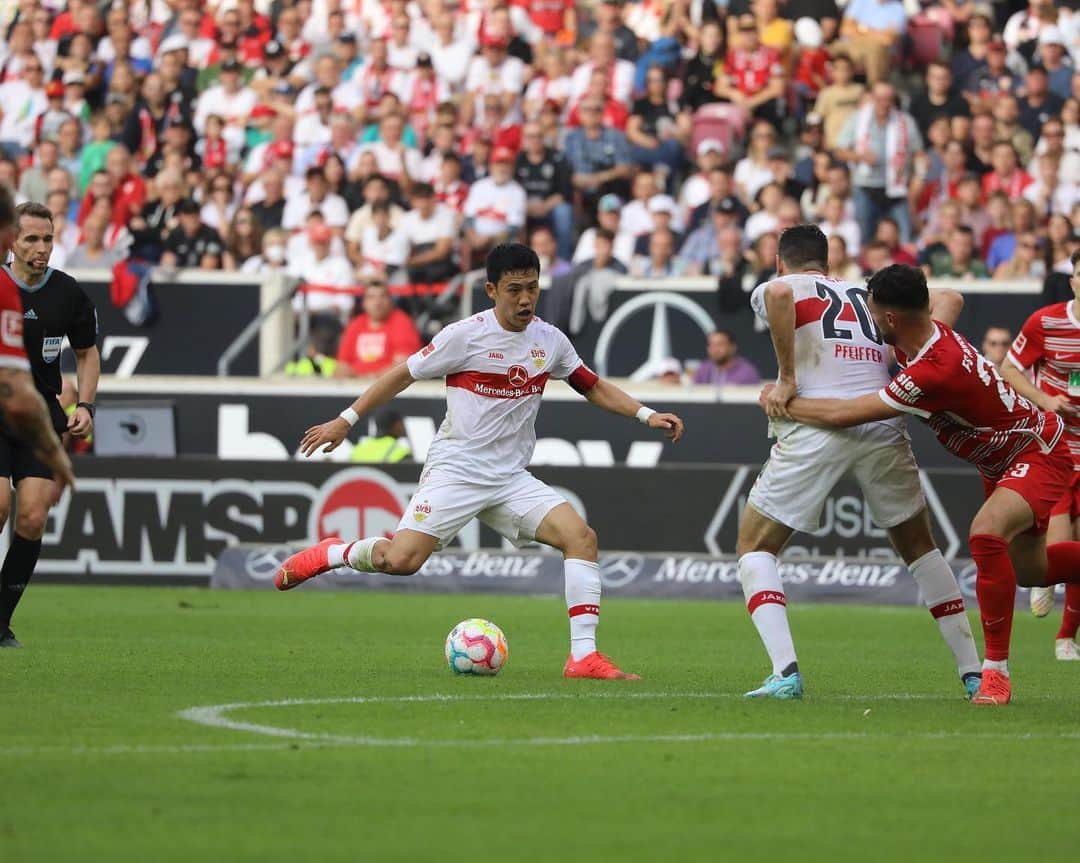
(806, 463)
(443, 505)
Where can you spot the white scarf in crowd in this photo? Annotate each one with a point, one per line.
(897, 145)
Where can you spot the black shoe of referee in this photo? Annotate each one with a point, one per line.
(8, 639)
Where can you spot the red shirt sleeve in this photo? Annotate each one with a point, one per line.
(12, 349)
(920, 389)
(1029, 346)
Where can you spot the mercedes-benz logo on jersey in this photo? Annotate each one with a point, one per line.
(517, 375)
(617, 570)
(262, 563)
(660, 335)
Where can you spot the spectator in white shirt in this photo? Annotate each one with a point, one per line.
(400, 51)
(495, 208)
(430, 231)
(608, 216)
(449, 54)
(493, 72)
(602, 56)
(21, 102)
(324, 270)
(837, 221)
(383, 250)
(315, 197)
(230, 100)
(395, 160)
(314, 127)
(343, 96)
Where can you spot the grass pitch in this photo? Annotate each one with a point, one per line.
(882, 761)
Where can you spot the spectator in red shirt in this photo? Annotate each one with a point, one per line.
(378, 339)
(599, 89)
(1007, 176)
(753, 75)
(129, 189)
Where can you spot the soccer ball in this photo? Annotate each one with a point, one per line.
(476, 646)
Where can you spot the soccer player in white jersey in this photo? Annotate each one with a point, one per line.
(827, 345)
(496, 364)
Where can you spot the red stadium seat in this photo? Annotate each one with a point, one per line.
(720, 120)
(926, 42)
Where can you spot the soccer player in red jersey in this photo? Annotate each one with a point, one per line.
(1050, 344)
(1019, 449)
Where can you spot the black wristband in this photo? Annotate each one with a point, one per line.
(89, 406)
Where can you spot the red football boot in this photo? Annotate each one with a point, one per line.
(996, 689)
(595, 666)
(304, 565)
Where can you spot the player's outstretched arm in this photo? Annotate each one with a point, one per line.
(330, 434)
(1019, 382)
(606, 395)
(780, 309)
(946, 306)
(26, 412)
(834, 413)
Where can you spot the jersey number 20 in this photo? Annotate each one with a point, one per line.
(857, 298)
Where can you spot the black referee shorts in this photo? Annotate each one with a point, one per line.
(17, 459)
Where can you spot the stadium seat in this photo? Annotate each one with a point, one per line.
(925, 42)
(720, 120)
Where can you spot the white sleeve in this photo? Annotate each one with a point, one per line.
(515, 215)
(757, 303)
(445, 354)
(566, 360)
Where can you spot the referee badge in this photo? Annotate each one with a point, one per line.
(50, 348)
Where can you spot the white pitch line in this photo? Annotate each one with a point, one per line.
(214, 716)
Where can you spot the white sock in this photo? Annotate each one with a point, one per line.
(941, 593)
(355, 554)
(767, 605)
(582, 604)
(1001, 665)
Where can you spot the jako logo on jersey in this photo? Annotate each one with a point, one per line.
(11, 327)
(495, 355)
(518, 376)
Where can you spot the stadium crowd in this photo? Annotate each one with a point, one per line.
(392, 142)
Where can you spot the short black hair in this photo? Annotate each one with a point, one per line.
(1074, 259)
(510, 258)
(728, 334)
(900, 287)
(803, 245)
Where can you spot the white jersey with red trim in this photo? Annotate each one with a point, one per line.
(495, 207)
(494, 381)
(1049, 342)
(839, 352)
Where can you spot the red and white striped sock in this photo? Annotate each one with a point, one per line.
(941, 593)
(767, 604)
(582, 604)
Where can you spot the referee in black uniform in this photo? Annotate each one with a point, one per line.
(54, 306)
